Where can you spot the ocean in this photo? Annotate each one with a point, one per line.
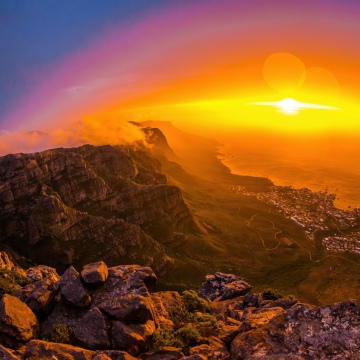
(329, 163)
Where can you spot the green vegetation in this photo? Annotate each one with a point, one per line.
(272, 294)
(61, 333)
(10, 281)
(191, 322)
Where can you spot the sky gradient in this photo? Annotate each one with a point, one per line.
(200, 64)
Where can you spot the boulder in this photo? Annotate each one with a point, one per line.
(18, 323)
(144, 330)
(164, 353)
(114, 355)
(62, 313)
(123, 280)
(162, 315)
(214, 349)
(72, 290)
(92, 330)
(124, 337)
(95, 273)
(222, 286)
(129, 309)
(40, 272)
(38, 349)
(8, 354)
(5, 262)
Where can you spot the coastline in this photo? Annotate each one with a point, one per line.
(279, 176)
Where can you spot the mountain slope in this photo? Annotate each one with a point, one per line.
(73, 205)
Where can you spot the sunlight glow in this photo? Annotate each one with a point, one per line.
(291, 106)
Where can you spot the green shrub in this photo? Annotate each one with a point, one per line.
(272, 294)
(61, 333)
(206, 324)
(10, 281)
(183, 338)
(193, 302)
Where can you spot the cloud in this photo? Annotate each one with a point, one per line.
(95, 130)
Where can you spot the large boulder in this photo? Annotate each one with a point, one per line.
(222, 286)
(113, 355)
(92, 330)
(18, 323)
(8, 354)
(214, 349)
(72, 290)
(124, 337)
(129, 309)
(37, 349)
(95, 273)
(164, 353)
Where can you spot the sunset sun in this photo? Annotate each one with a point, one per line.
(289, 106)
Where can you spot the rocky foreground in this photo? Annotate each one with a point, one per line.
(114, 313)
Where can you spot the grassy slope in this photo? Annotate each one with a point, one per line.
(231, 243)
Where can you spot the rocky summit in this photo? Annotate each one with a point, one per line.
(115, 313)
(76, 205)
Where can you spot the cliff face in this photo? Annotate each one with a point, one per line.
(83, 203)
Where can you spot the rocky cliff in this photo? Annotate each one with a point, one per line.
(79, 204)
(114, 313)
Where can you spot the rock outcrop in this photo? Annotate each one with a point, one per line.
(123, 318)
(80, 204)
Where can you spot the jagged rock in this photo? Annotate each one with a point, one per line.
(164, 353)
(228, 308)
(214, 349)
(40, 294)
(72, 289)
(262, 334)
(92, 330)
(91, 202)
(284, 303)
(123, 337)
(130, 309)
(101, 357)
(228, 330)
(325, 332)
(162, 315)
(18, 323)
(62, 313)
(171, 300)
(222, 286)
(123, 280)
(196, 357)
(41, 272)
(95, 273)
(114, 355)
(8, 354)
(144, 330)
(38, 349)
(5, 262)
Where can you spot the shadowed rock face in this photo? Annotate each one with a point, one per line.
(90, 202)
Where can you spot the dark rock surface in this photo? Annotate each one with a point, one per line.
(123, 317)
(80, 204)
(18, 323)
(223, 286)
(72, 289)
(95, 273)
(37, 349)
(92, 330)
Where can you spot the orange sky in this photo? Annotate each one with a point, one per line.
(200, 65)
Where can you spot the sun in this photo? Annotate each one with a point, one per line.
(289, 106)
